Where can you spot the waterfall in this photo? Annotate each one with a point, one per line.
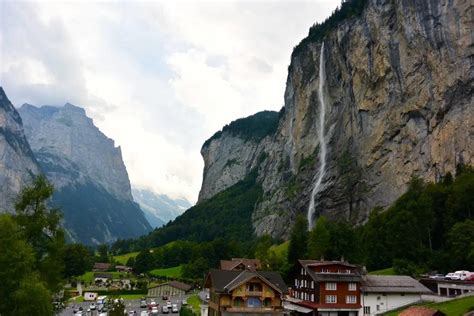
(321, 138)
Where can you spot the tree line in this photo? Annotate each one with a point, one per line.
(429, 228)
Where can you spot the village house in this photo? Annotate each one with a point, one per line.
(235, 292)
(123, 269)
(171, 288)
(241, 264)
(326, 288)
(102, 278)
(338, 288)
(382, 293)
(101, 267)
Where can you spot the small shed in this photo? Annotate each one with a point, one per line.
(171, 288)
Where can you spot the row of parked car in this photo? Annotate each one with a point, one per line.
(461, 275)
(154, 307)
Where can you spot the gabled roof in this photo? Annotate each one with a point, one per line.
(392, 284)
(102, 265)
(224, 281)
(328, 276)
(103, 275)
(250, 264)
(176, 284)
(316, 263)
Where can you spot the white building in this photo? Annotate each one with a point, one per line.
(382, 293)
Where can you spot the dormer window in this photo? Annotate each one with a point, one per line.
(331, 286)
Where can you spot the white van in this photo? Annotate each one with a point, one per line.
(101, 300)
(463, 274)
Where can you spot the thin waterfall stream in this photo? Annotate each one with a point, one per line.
(321, 138)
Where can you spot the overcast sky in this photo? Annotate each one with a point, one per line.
(157, 77)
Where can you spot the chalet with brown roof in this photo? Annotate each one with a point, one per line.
(234, 292)
(326, 288)
(241, 264)
(101, 267)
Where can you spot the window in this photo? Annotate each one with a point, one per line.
(378, 308)
(331, 299)
(267, 302)
(352, 286)
(367, 310)
(331, 286)
(254, 302)
(312, 297)
(238, 302)
(254, 287)
(351, 299)
(296, 282)
(312, 284)
(302, 271)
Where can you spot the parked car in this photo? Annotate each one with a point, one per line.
(144, 313)
(168, 304)
(463, 274)
(470, 278)
(132, 313)
(207, 297)
(165, 309)
(174, 308)
(437, 276)
(164, 297)
(154, 310)
(453, 276)
(143, 303)
(184, 302)
(92, 307)
(78, 313)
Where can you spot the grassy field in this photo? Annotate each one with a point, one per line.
(194, 302)
(388, 271)
(173, 272)
(88, 277)
(281, 250)
(451, 308)
(124, 258)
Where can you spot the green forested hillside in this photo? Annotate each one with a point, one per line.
(430, 227)
(254, 127)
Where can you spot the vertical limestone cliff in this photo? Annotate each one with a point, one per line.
(91, 182)
(399, 103)
(17, 162)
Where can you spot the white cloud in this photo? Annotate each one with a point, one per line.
(157, 77)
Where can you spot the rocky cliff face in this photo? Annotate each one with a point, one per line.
(399, 103)
(17, 162)
(87, 170)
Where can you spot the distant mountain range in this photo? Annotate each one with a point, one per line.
(159, 209)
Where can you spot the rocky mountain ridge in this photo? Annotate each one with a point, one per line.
(399, 95)
(91, 182)
(17, 162)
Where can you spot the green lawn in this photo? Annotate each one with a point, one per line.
(388, 271)
(122, 259)
(173, 272)
(451, 308)
(281, 250)
(194, 302)
(88, 277)
(132, 296)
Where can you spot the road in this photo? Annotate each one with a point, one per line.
(130, 305)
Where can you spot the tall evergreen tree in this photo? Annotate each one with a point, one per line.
(298, 246)
(319, 240)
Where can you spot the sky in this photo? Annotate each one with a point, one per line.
(158, 77)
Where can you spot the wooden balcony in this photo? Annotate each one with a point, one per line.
(256, 310)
